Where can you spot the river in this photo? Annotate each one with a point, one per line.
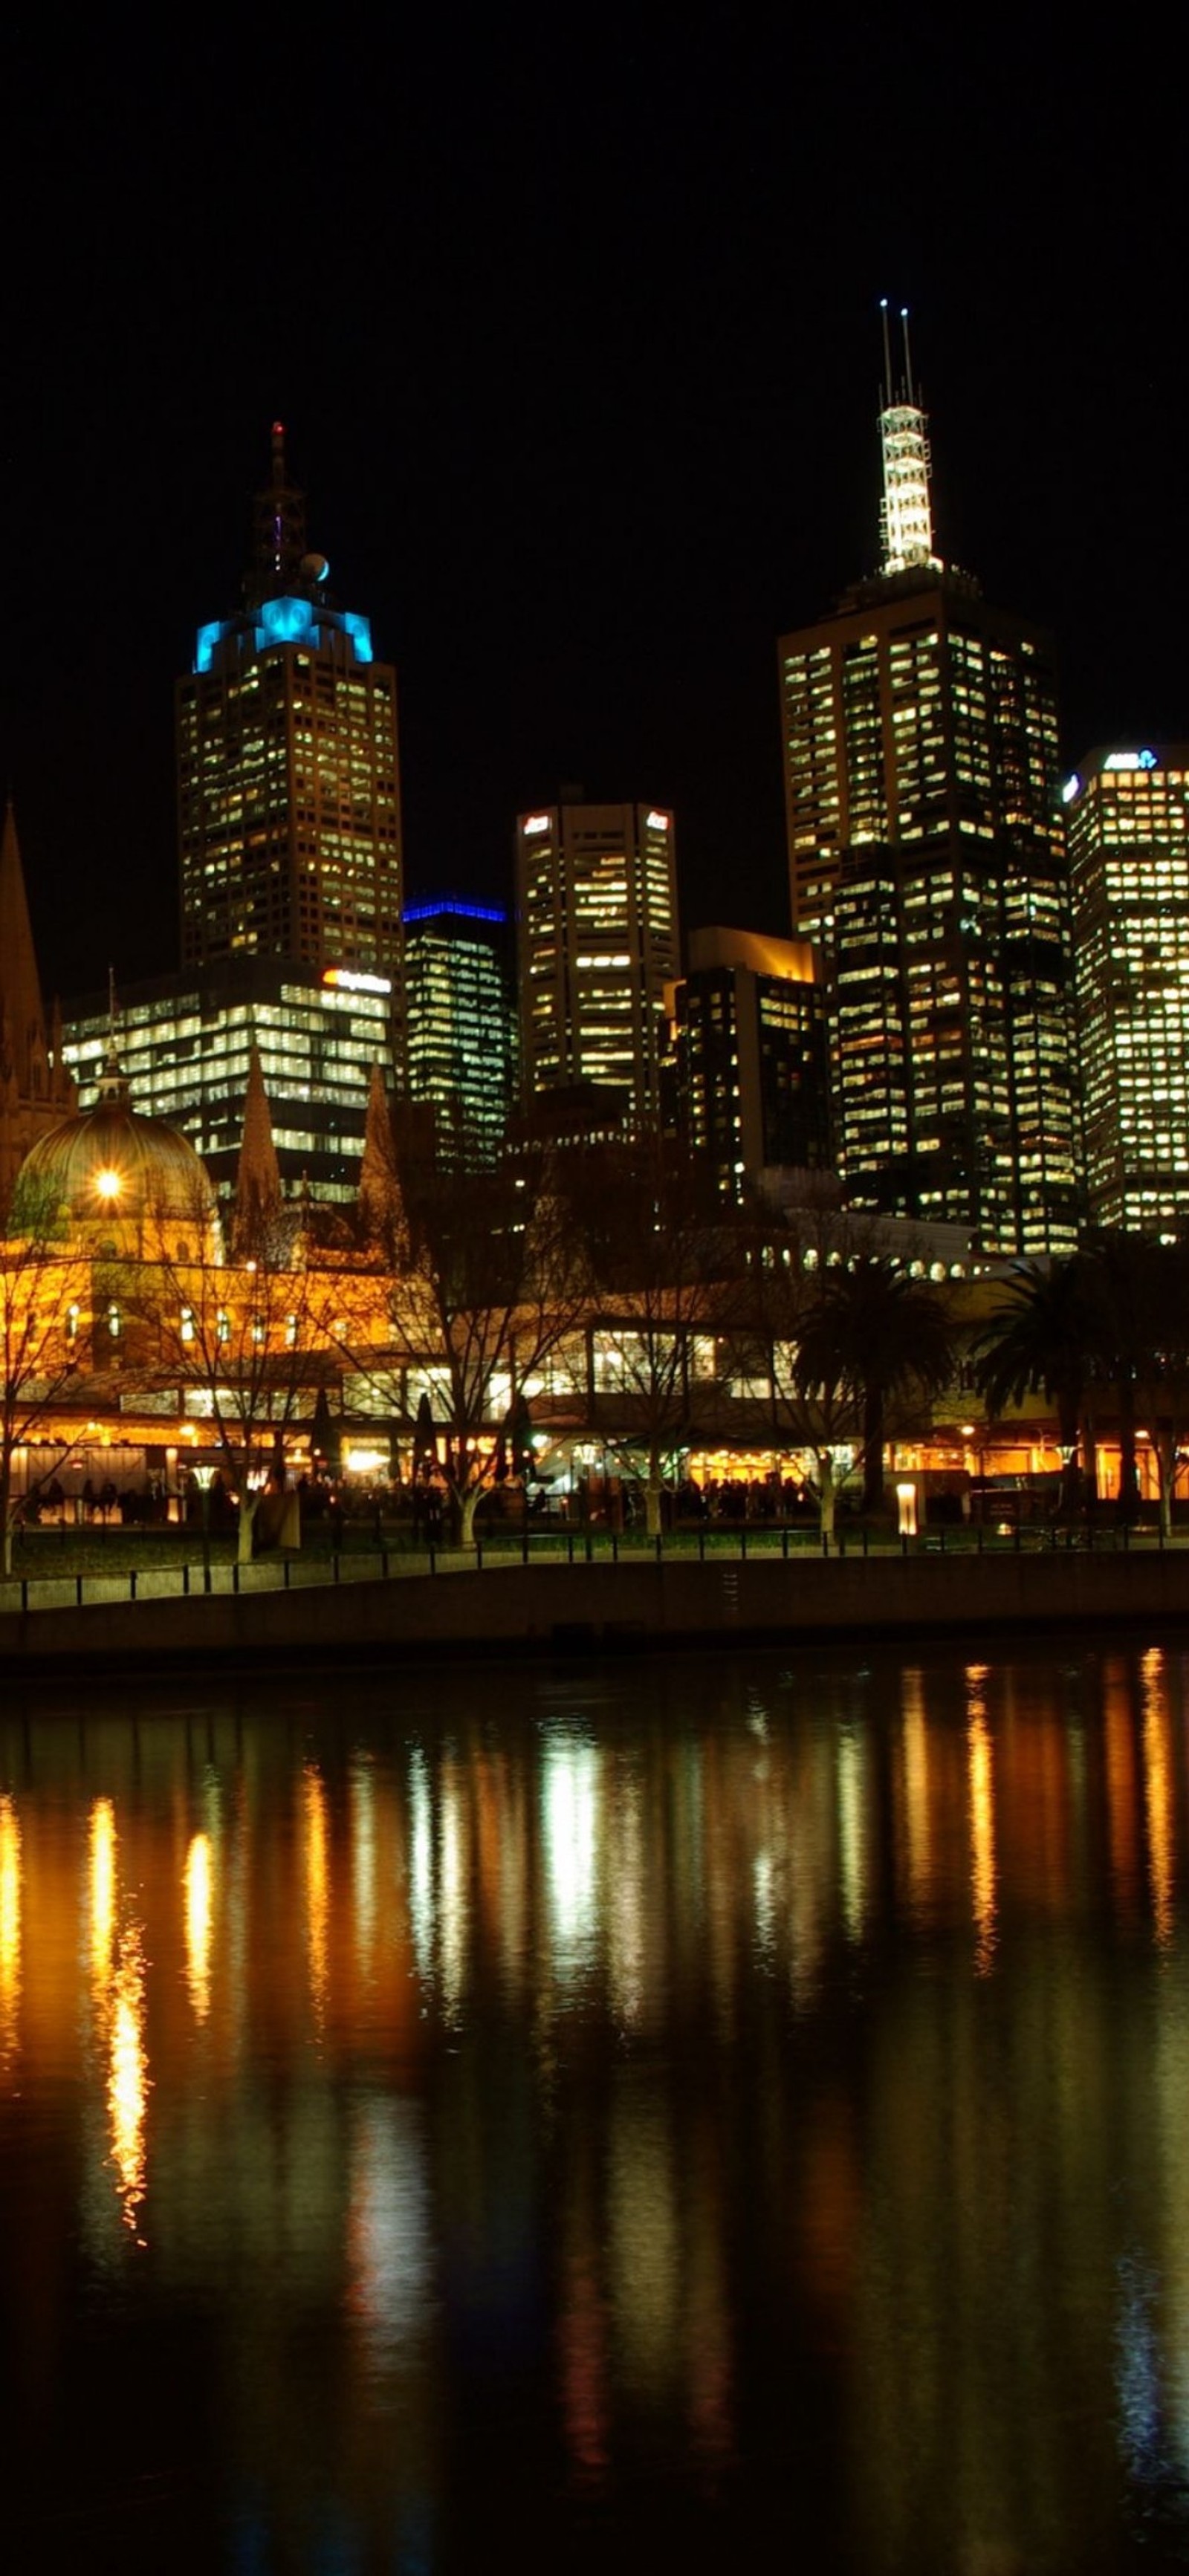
(668, 2112)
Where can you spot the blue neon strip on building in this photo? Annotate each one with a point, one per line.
(446, 904)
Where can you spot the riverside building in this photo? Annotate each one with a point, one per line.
(927, 854)
(597, 943)
(1128, 819)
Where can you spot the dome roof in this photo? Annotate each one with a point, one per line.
(110, 1168)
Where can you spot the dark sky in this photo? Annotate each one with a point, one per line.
(572, 320)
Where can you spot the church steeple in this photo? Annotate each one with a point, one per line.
(258, 1199)
(381, 1198)
(20, 985)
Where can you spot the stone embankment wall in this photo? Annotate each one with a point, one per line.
(593, 1608)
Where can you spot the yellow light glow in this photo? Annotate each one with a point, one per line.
(128, 2081)
(198, 1924)
(109, 1184)
(10, 1927)
(981, 1790)
(103, 1895)
(317, 1888)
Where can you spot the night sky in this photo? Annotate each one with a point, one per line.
(573, 324)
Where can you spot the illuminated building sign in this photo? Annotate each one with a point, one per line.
(658, 822)
(1071, 789)
(348, 979)
(535, 823)
(1131, 760)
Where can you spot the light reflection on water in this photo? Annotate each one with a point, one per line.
(669, 2105)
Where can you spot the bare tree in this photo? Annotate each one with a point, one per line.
(45, 1301)
(495, 1283)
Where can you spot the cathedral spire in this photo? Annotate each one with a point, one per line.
(906, 514)
(381, 1198)
(258, 1200)
(20, 987)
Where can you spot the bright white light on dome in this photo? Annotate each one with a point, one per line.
(109, 1184)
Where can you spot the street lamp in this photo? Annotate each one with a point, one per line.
(205, 1472)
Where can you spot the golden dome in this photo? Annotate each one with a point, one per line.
(121, 1180)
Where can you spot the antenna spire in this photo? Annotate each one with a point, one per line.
(906, 514)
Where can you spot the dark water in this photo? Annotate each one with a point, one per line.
(700, 2115)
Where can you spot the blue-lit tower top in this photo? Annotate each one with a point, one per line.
(286, 600)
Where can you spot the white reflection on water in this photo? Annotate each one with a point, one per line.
(198, 1876)
(389, 2236)
(570, 1822)
(453, 1890)
(852, 1835)
(642, 2212)
(420, 1861)
(625, 1930)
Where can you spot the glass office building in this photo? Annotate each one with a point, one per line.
(185, 1041)
(597, 931)
(461, 1026)
(1128, 817)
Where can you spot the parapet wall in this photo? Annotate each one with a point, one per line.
(603, 1607)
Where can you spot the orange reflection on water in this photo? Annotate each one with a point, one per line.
(1158, 1795)
(102, 1875)
(197, 1882)
(980, 1777)
(915, 1757)
(317, 1889)
(128, 2080)
(10, 1927)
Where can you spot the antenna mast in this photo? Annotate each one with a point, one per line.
(906, 514)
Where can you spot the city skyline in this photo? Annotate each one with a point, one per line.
(580, 449)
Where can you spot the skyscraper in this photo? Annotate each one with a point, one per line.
(596, 894)
(926, 849)
(1128, 816)
(751, 1055)
(458, 978)
(288, 781)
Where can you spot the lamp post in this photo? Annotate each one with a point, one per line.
(205, 1472)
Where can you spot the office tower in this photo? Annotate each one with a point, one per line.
(926, 850)
(35, 1086)
(1128, 819)
(186, 1046)
(750, 1033)
(288, 780)
(596, 895)
(458, 984)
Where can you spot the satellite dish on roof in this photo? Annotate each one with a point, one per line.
(315, 567)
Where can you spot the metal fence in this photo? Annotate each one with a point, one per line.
(373, 1560)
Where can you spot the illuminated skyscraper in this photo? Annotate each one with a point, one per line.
(288, 781)
(750, 1016)
(458, 977)
(596, 889)
(926, 850)
(1128, 816)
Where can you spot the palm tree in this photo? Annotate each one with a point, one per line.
(1042, 1340)
(877, 1335)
